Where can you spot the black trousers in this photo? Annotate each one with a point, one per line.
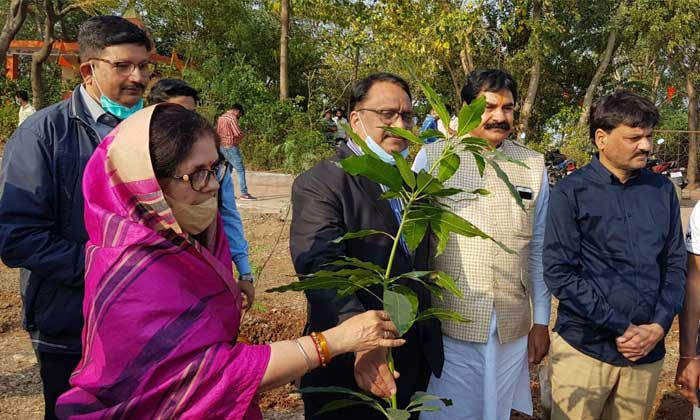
(55, 369)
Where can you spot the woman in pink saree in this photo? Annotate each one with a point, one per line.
(162, 309)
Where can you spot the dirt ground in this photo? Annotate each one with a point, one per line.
(275, 317)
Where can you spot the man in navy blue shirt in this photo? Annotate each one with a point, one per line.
(614, 257)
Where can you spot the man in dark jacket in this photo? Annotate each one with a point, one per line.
(41, 202)
(328, 203)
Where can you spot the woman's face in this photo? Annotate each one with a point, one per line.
(203, 155)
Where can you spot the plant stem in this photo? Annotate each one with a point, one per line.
(390, 361)
(387, 275)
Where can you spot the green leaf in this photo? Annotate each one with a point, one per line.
(446, 192)
(457, 224)
(340, 404)
(470, 116)
(397, 414)
(419, 277)
(480, 163)
(415, 275)
(427, 183)
(474, 142)
(335, 390)
(448, 166)
(436, 103)
(355, 262)
(442, 236)
(442, 222)
(408, 293)
(504, 177)
(420, 398)
(374, 169)
(503, 157)
(400, 309)
(360, 142)
(311, 284)
(346, 281)
(409, 177)
(414, 231)
(427, 134)
(443, 280)
(481, 191)
(441, 314)
(404, 134)
(360, 234)
(388, 195)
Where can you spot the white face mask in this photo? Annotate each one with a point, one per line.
(377, 149)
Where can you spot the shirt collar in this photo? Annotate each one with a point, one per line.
(94, 109)
(354, 148)
(607, 176)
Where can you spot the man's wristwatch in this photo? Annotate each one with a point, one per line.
(247, 277)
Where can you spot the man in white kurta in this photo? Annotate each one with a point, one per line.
(486, 361)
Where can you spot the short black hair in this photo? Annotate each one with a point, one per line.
(622, 108)
(362, 87)
(489, 80)
(22, 94)
(165, 89)
(173, 131)
(238, 107)
(100, 32)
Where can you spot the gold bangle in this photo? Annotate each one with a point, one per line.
(324, 347)
(319, 350)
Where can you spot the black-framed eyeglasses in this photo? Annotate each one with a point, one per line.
(125, 68)
(199, 179)
(388, 116)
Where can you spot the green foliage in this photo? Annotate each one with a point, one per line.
(279, 135)
(8, 109)
(8, 121)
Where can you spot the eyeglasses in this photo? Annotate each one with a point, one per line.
(388, 116)
(200, 178)
(125, 68)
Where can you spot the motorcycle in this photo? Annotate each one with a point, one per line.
(558, 166)
(671, 170)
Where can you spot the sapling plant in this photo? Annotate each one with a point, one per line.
(424, 211)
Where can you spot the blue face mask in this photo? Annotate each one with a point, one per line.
(381, 153)
(118, 110)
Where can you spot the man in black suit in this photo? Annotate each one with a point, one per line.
(328, 203)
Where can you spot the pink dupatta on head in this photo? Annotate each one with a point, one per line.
(161, 311)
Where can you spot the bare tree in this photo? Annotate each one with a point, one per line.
(535, 70)
(15, 18)
(284, 50)
(39, 57)
(693, 104)
(615, 25)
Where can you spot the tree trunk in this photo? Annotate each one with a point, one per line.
(535, 70)
(602, 66)
(39, 57)
(465, 58)
(692, 169)
(284, 40)
(355, 74)
(456, 86)
(15, 18)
